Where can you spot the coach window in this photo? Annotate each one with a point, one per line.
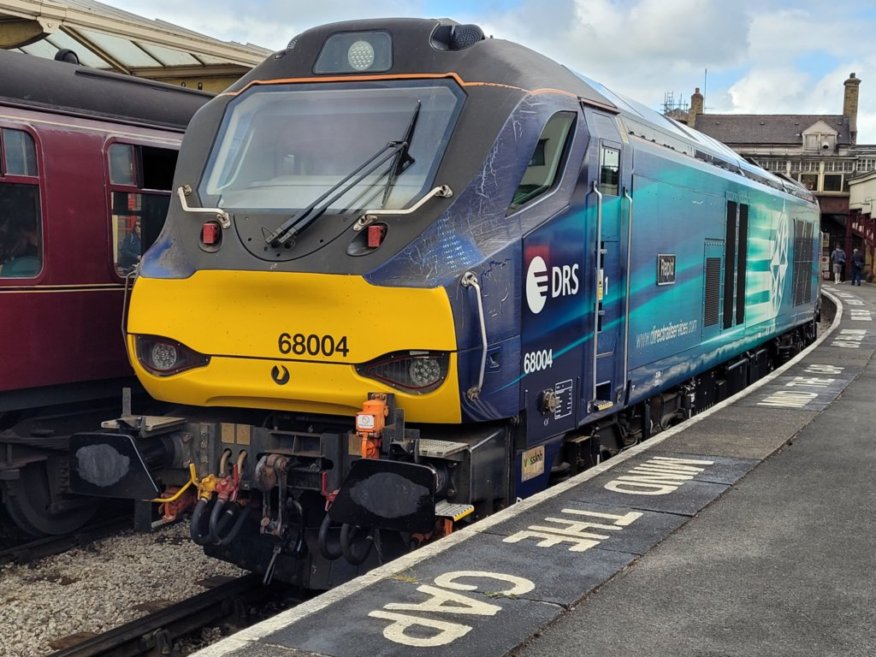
(21, 241)
(609, 168)
(544, 164)
(140, 181)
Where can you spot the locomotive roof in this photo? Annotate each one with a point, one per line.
(428, 49)
(36, 83)
(649, 124)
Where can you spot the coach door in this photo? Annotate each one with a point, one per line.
(609, 205)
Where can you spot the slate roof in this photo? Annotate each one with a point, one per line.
(768, 129)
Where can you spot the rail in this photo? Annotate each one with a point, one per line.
(156, 632)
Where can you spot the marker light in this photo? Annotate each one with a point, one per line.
(211, 233)
(376, 233)
(163, 357)
(417, 372)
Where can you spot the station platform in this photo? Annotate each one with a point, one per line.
(747, 531)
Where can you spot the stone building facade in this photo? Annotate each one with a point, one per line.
(818, 150)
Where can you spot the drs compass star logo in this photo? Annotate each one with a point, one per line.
(537, 284)
(543, 283)
(778, 265)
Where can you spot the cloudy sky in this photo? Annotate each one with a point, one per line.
(758, 56)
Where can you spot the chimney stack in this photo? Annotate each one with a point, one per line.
(696, 107)
(850, 105)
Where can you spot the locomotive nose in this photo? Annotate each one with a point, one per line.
(294, 341)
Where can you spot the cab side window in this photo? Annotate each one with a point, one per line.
(609, 169)
(21, 239)
(542, 171)
(140, 182)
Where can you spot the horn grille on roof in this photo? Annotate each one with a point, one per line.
(464, 36)
(456, 37)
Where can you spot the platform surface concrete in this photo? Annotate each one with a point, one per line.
(747, 531)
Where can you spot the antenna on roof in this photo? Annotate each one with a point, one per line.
(673, 107)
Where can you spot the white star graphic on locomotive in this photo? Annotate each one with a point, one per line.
(778, 264)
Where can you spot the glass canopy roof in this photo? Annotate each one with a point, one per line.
(107, 38)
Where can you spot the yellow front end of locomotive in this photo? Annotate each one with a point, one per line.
(291, 341)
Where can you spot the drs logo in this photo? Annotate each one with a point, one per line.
(542, 283)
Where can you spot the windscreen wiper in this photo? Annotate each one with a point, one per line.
(402, 157)
(287, 231)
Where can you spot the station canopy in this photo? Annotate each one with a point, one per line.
(107, 38)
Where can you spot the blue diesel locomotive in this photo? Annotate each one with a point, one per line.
(411, 274)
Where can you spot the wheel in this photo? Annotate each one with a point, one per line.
(28, 502)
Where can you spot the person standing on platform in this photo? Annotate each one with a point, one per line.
(857, 267)
(838, 259)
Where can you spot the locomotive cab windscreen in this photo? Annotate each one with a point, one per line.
(372, 145)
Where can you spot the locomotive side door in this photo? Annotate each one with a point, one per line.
(609, 204)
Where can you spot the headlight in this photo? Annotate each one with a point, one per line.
(361, 55)
(163, 356)
(417, 372)
(425, 372)
(355, 52)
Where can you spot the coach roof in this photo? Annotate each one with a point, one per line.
(37, 83)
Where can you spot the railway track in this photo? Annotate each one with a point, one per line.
(28, 551)
(236, 603)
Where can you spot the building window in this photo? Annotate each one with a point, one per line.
(810, 181)
(839, 165)
(833, 182)
(21, 239)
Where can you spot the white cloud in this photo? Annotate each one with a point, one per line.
(783, 35)
(267, 23)
(770, 91)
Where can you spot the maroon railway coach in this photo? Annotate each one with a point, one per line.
(86, 167)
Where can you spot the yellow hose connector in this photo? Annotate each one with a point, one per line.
(193, 479)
